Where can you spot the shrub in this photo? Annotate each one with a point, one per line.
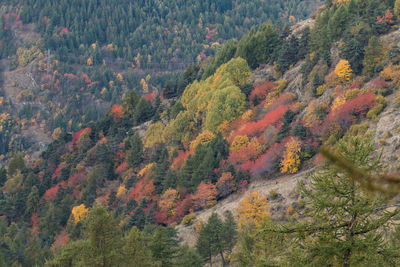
(188, 219)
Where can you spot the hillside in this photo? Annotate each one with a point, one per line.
(64, 63)
(227, 159)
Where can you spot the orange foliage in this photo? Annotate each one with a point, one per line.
(178, 162)
(256, 128)
(117, 111)
(51, 193)
(205, 196)
(121, 168)
(387, 18)
(245, 152)
(142, 189)
(261, 91)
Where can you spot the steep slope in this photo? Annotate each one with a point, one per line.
(251, 119)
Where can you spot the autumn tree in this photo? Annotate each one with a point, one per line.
(117, 111)
(79, 213)
(168, 201)
(291, 158)
(252, 209)
(205, 195)
(343, 70)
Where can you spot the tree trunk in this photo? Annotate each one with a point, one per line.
(223, 259)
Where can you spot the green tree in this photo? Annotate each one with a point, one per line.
(373, 55)
(217, 237)
(345, 223)
(104, 239)
(135, 154)
(16, 163)
(164, 246)
(136, 249)
(32, 201)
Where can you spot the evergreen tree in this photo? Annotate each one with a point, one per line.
(135, 156)
(217, 237)
(104, 239)
(136, 249)
(164, 246)
(345, 224)
(373, 55)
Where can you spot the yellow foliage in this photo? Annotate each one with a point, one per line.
(56, 133)
(291, 159)
(343, 70)
(146, 169)
(120, 77)
(79, 213)
(121, 191)
(338, 102)
(26, 55)
(154, 135)
(168, 201)
(89, 62)
(188, 219)
(321, 89)
(94, 45)
(145, 87)
(203, 138)
(253, 208)
(239, 142)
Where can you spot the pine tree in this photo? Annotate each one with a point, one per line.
(104, 239)
(373, 55)
(135, 156)
(217, 237)
(164, 246)
(345, 224)
(136, 249)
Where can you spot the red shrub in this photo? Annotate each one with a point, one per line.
(261, 91)
(86, 77)
(282, 100)
(151, 97)
(183, 207)
(76, 179)
(143, 188)
(378, 84)
(356, 107)
(78, 134)
(256, 128)
(121, 168)
(51, 193)
(60, 240)
(179, 161)
(64, 31)
(267, 161)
